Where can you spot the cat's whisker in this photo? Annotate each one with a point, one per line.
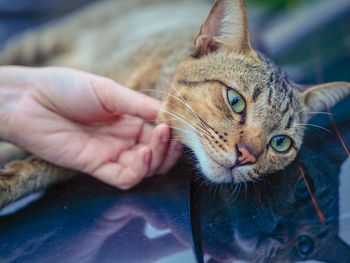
(163, 92)
(301, 110)
(315, 112)
(215, 188)
(174, 97)
(259, 257)
(182, 99)
(206, 124)
(321, 112)
(201, 139)
(180, 119)
(263, 179)
(314, 125)
(194, 124)
(189, 133)
(236, 191)
(245, 189)
(196, 177)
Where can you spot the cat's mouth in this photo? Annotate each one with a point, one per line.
(218, 172)
(235, 167)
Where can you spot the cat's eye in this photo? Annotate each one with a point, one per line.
(305, 245)
(236, 101)
(281, 143)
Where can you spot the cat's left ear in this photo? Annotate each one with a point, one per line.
(226, 27)
(318, 98)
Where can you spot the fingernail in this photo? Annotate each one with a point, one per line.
(165, 137)
(147, 158)
(179, 146)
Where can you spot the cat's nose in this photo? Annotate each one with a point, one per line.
(244, 155)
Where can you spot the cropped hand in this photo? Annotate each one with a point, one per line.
(85, 122)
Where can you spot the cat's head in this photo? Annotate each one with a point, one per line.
(235, 109)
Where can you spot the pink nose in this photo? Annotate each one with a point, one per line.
(244, 155)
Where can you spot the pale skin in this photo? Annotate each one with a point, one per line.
(85, 122)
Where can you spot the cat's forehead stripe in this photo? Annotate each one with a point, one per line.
(289, 123)
(284, 111)
(269, 97)
(256, 93)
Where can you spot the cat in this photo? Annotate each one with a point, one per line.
(232, 106)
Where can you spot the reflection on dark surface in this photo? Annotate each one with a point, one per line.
(86, 221)
(275, 220)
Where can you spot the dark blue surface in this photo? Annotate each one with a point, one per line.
(87, 221)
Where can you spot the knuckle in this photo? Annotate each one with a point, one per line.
(104, 93)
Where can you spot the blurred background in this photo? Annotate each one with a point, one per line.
(310, 39)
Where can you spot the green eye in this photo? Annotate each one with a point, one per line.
(236, 101)
(281, 143)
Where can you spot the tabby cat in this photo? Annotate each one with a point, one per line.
(238, 112)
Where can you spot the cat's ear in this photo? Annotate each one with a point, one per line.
(318, 98)
(226, 27)
(334, 244)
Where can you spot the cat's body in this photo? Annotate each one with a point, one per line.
(149, 45)
(135, 43)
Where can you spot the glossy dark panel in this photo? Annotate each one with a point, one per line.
(87, 221)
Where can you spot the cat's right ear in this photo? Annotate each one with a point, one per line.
(334, 244)
(323, 96)
(226, 27)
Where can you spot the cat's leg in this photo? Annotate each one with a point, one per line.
(20, 178)
(10, 152)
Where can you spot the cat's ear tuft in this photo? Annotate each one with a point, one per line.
(226, 27)
(319, 97)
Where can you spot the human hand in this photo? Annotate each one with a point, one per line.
(85, 122)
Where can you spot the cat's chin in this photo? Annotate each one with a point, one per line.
(217, 173)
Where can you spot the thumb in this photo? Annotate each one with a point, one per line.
(117, 99)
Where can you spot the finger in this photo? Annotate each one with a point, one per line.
(129, 127)
(146, 133)
(121, 100)
(159, 145)
(174, 152)
(125, 177)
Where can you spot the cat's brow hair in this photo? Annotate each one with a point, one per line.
(201, 82)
